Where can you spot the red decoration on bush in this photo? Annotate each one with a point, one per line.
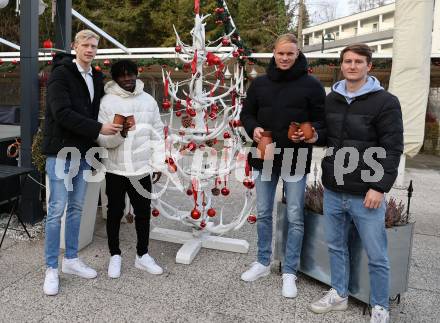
(107, 62)
(226, 41)
(252, 218)
(166, 104)
(225, 191)
(178, 49)
(155, 212)
(47, 43)
(211, 212)
(195, 214)
(98, 68)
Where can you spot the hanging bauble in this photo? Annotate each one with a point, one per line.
(192, 113)
(98, 68)
(192, 146)
(195, 214)
(166, 104)
(252, 218)
(155, 212)
(226, 41)
(236, 123)
(247, 182)
(203, 224)
(178, 113)
(47, 43)
(212, 115)
(178, 49)
(178, 104)
(226, 135)
(219, 10)
(214, 107)
(140, 69)
(189, 192)
(225, 191)
(235, 54)
(14, 62)
(107, 62)
(211, 212)
(215, 191)
(1, 61)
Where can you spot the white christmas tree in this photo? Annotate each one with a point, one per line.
(209, 105)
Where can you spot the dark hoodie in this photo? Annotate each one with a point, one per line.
(70, 117)
(276, 99)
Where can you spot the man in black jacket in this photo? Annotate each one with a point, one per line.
(364, 133)
(73, 96)
(285, 94)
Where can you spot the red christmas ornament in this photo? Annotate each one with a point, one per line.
(219, 10)
(1, 61)
(236, 123)
(226, 135)
(235, 54)
(49, 63)
(140, 69)
(225, 191)
(192, 113)
(251, 185)
(186, 67)
(47, 43)
(189, 192)
(178, 113)
(98, 68)
(219, 22)
(252, 218)
(178, 49)
(211, 212)
(14, 62)
(310, 70)
(214, 107)
(107, 62)
(155, 212)
(203, 224)
(178, 104)
(192, 146)
(195, 214)
(247, 182)
(215, 191)
(166, 104)
(212, 115)
(226, 41)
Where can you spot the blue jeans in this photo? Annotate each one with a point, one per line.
(294, 191)
(339, 210)
(60, 194)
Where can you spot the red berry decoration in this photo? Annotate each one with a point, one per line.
(226, 135)
(189, 192)
(1, 61)
(14, 62)
(178, 49)
(214, 107)
(107, 62)
(225, 191)
(247, 182)
(235, 54)
(98, 68)
(219, 10)
(195, 214)
(166, 104)
(178, 113)
(252, 218)
(203, 224)
(155, 213)
(215, 191)
(212, 115)
(178, 104)
(251, 185)
(192, 146)
(211, 212)
(140, 69)
(47, 44)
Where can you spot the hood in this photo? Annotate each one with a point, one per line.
(113, 88)
(62, 59)
(297, 70)
(372, 85)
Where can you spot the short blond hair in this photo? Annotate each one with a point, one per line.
(285, 38)
(84, 35)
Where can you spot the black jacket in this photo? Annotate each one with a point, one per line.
(70, 117)
(371, 120)
(276, 99)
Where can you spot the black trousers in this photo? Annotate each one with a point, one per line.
(116, 188)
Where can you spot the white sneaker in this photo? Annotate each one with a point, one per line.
(77, 267)
(379, 315)
(256, 271)
(146, 262)
(331, 301)
(114, 266)
(289, 286)
(51, 282)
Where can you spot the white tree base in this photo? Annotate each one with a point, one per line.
(192, 243)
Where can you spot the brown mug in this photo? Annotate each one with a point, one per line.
(306, 128)
(293, 128)
(266, 139)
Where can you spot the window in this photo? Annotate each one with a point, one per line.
(375, 27)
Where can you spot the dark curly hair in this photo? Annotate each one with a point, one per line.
(122, 67)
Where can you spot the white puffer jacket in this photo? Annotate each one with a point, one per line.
(144, 146)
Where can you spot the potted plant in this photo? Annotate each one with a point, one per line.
(314, 255)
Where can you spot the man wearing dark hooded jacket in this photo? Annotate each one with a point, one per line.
(73, 96)
(285, 94)
(364, 133)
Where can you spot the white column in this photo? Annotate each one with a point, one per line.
(379, 24)
(436, 29)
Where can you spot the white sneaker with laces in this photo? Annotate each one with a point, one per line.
(379, 315)
(76, 267)
(289, 286)
(256, 271)
(331, 301)
(51, 282)
(114, 266)
(146, 262)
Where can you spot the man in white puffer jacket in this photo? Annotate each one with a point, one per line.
(130, 160)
